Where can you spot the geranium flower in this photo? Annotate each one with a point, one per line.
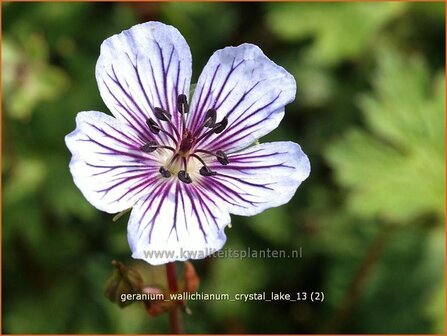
(184, 166)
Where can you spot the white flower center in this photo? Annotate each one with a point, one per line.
(185, 161)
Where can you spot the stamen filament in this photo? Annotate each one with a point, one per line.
(174, 128)
(169, 135)
(165, 171)
(198, 158)
(205, 135)
(220, 155)
(205, 151)
(183, 175)
(183, 121)
(172, 160)
(152, 146)
(217, 128)
(155, 128)
(210, 118)
(168, 147)
(183, 108)
(205, 170)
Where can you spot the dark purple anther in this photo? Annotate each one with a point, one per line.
(154, 128)
(182, 104)
(149, 147)
(210, 118)
(164, 172)
(222, 157)
(162, 114)
(220, 126)
(205, 171)
(184, 176)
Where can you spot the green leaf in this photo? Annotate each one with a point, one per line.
(339, 30)
(396, 169)
(29, 78)
(26, 178)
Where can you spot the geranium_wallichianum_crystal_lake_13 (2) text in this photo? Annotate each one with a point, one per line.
(184, 164)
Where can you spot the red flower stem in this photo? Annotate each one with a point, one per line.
(175, 321)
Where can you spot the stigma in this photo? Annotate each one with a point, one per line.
(184, 160)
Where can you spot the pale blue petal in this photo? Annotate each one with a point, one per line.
(176, 222)
(242, 84)
(259, 177)
(107, 164)
(144, 67)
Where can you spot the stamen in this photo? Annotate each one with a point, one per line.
(217, 128)
(188, 140)
(183, 108)
(152, 146)
(222, 157)
(182, 104)
(205, 170)
(220, 126)
(164, 172)
(210, 118)
(162, 114)
(172, 160)
(154, 128)
(205, 151)
(149, 147)
(184, 176)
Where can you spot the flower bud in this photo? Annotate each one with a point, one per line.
(123, 281)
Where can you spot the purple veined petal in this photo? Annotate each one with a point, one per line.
(259, 177)
(247, 87)
(176, 222)
(144, 67)
(107, 164)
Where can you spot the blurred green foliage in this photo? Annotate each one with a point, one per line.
(28, 78)
(370, 113)
(406, 151)
(339, 31)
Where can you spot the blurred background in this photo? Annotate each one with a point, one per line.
(370, 113)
